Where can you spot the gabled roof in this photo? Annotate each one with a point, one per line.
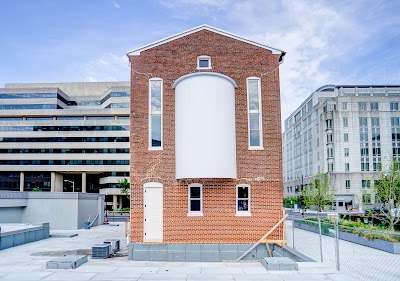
(136, 52)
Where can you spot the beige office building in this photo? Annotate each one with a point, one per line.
(65, 137)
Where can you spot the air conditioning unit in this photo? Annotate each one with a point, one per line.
(101, 251)
(114, 245)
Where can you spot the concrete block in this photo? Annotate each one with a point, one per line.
(176, 247)
(193, 256)
(63, 235)
(39, 234)
(227, 256)
(209, 248)
(228, 247)
(243, 247)
(261, 254)
(67, 262)
(158, 247)
(211, 256)
(192, 248)
(141, 247)
(6, 241)
(279, 263)
(158, 255)
(177, 256)
(30, 236)
(19, 239)
(250, 256)
(141, 255)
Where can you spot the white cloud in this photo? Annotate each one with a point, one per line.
(116, 5)
(108, 67)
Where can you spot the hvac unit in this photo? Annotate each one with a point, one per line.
(101, 251)
(114, 245)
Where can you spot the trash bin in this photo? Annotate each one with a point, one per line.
(86, 224)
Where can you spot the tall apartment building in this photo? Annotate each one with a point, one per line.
(65, 137)
(350, 132)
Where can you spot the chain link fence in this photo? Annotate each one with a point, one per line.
(366, 255)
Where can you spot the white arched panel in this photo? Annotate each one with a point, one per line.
(205, 137)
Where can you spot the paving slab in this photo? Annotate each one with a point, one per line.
(209, 277)
(222, 270)
(117, 276)
(138, 269)
(69, 275)
(25, 276)
(257, 277)
(303, 277)
(163, 276)
(180, 269)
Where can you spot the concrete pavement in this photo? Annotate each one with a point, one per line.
(28, 262)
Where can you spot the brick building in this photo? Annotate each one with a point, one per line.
(206, 162)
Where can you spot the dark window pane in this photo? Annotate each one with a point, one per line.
(194, 205)
(195, 192)
(203, 63)
(243, 205)
(243, 192)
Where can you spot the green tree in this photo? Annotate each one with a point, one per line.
(125, 187)
(319, 192)
(387, 194)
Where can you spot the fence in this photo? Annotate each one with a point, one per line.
(358, 252)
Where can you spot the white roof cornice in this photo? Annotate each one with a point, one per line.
(136, 52)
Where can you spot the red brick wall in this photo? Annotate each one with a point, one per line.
(262, 169)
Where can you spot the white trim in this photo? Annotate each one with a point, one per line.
(176, 82)
(136, 52)
(160, 186)
(208, 58)
(150, 147)
(152, 184)
(260, 119)
(195, 213)
(243, 213)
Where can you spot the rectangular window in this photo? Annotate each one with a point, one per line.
(365, 184)
(254, 111)
(329, 138)
(243, 200)
(344, 105)
(330, 167)
(346, 152)
(394, 106)
(374, 106)
(348, 184)
(329, 124)
(195, 204)
(346, 167)
(362, 106)
(346, 137)
(330, 152)
(345, 122)
(155, 112)
(366, 198)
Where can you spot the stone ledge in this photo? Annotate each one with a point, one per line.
(67, 262)
(279, 263)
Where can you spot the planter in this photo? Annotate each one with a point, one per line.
(390, 247)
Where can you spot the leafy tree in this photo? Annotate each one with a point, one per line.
(319, 192)
(125, 187)
(387, 194)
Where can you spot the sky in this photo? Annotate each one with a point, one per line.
(327, 42)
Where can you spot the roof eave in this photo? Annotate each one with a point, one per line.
(136, 52)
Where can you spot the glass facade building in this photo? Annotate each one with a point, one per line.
(65, 137)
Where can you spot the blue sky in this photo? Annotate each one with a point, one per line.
(327, 42)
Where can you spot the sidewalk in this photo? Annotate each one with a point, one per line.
(28, 262)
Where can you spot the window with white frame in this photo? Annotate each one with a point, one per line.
(254, 113)
(345, 122)
(347, 167)
(394, 106)
(346, 137)
(243, 199)
(203, 62)
(155, 113)
(344, 105)
(348, 184)
(346, 152)
(195, 199)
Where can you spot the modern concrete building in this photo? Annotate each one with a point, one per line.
(349, 132)
(206, 136)
(65, 137)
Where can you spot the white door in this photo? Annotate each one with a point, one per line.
(153, 212)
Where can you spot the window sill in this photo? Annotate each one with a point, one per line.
(195, 214)
(201, 68)
(156, 148)
(243, 214)
(256, 148)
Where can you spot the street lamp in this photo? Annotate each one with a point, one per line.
(73, 184)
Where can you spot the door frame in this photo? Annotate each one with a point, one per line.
(160, 186)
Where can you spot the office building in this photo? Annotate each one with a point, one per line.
(65, 137)
(350, 132)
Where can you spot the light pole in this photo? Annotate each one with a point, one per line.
(73, 184)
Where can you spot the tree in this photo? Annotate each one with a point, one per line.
(125, 187)
(387, 194)
(319, 192)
